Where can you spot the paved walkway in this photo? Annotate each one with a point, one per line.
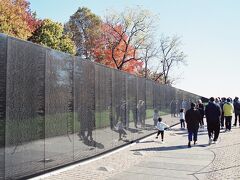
(25, 158)
(151, 159)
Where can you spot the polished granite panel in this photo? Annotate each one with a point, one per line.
(84, 109)
(141, 102)
(149, 105)
(149, 94)
(58, 109)
(120, 114)
(156, 97)
(3, 68)
(161, 93)
(24, 108)
(131, 83)
(169, 97)
(103, 109)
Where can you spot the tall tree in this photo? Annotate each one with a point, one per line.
(171, 55)
(149, 51)
(16, 18)
(85, 28)
(103, 53)
(51, 34)
(129, 29)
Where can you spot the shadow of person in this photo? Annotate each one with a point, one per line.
(163, 148)
(184, 134)
(93, 143)
(146, 142)
(126, 140)
(149, 127)
(98, 145)
(132, 130)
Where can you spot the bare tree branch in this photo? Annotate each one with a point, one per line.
(170, 56)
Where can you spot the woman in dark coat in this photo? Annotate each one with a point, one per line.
(192, 118)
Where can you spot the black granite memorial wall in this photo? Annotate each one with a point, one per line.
(56, 109)
(3, 73)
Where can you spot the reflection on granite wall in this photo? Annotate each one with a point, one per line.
(3, 70)
(56, 109)
(24, 108)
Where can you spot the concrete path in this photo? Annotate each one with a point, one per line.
(151, 159)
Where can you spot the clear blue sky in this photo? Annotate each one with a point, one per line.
(210, 31)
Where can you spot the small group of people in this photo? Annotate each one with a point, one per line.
(122, 115)
(216, 112)
(200, 108)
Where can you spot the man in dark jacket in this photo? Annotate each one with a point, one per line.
(200, 107)
(213, 114)
(236, 105)
(222, 115)
(192, 118)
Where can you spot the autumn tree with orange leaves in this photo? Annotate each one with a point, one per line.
(123, 39)
(113, 51)
(16, 18)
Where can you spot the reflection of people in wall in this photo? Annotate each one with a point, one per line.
(173, 108)
(141, 112)
(111, 119)
(117, 112)
(120, 128)
(87, 123)
(134, 113)
(155, 117)
(91, 124)
(178, 107)
(124, 113)
(83, 125)
(184, 104)
(121, 113)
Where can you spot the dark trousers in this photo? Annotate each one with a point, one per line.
(162, 134)
(192, 134)
(237, 116)
(201, 121)
(222, 120)
(182, 123)
(228, 122)
(213, 129)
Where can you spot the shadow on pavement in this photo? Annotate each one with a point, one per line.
(146, 142)
(133, 130)
(199, 133)
(164, 148)
(93, 144)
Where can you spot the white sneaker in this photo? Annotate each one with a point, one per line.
(215, 142)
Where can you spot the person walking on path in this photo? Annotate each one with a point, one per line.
(236, 105)
(192, 118)
(182, 118)
(213, 115)
(200, 107)
(161, 127)
(222, 115)
(228, 112)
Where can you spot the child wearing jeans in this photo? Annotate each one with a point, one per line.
(161, 127)
(182, 118)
